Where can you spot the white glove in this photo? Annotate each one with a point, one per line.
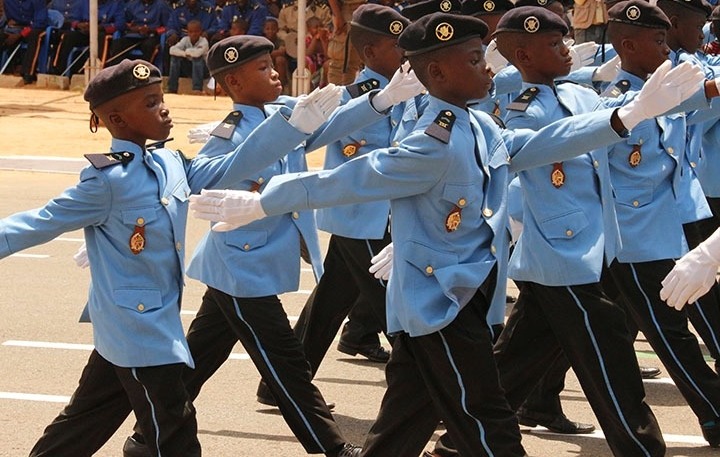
(494, 60)
(607, 71)
(81, 257)
(381, 264)
(664, 90)
(582, 55)
(312, 110)
(693, 275)
(404, 85)
(201, 133)
(234, 208)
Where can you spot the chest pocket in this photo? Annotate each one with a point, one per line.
(139, 300)
(467, 197)
(634, 196)
(139, 216)
(246, 240)
(564, 226)
(181, 191)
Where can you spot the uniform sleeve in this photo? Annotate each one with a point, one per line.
(86, 204)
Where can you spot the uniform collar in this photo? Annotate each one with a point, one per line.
(250, 113)
(367, 73)
(436, 105)
(117, 145)
(636, 83)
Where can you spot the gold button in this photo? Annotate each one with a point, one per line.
(462, 202)
(429, 270)
(178, 245)
(141, 307)
(140, 221)
(493, 249)
(487, 212)
(246, 247)
(569, 232)
(261, 180)
(596, 164)
(165, 201)
(295, 215)
(636, 203)
(693, 164)
(395, 143)
(671, 150)
(363, 142)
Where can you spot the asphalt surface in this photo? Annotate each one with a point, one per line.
(43, 347)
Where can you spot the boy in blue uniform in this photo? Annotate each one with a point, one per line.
(447, 185)
(241, 302)
(132, 203)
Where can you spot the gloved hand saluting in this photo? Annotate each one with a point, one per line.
(404, 85)
(607, 71)
(381, 264)
(693, 275)
(494, 60)
(664, 90)
(312, 110)
(582, 54)
(230, 208)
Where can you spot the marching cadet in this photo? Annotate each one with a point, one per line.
(447, 185)
(132, 203)
(649, 176)
(241, 302)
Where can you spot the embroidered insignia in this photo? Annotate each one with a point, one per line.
(137, 240)
(452, 221)
(226, 128)
(617, 89)
(522, 102)
(441, 127)
(349, 150)
(557, 176)
(100, 161)
(635, 156)
(362, 87)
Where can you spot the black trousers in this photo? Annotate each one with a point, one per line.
(262, 327)
(363, 326)
(346, 277)
(104, 398)
(666, 329)
(67, 40)
(449, 375)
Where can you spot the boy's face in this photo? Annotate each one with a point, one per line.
(388, 56)
(650, 50)
(270, 30)
(687, 30)
(194, 31)
(548, 55)
(255, 82)
(140, 115)
(466, 73)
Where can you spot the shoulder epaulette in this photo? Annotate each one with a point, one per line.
(100, 161)
(363, 87)
(522, 102)
(441, 126)
(157, 144)
(616, 89)
(497, 120)
(226, 128)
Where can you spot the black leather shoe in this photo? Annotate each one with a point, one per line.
(374, 353)
(649, 372)
(134, 448)
(264, 396)
(711, 433)
(349, 450)
(558, 424)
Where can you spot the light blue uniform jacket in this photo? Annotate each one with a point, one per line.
(134, 300)
(436, 271)
(263, 258)
(365, 221)
(568, 230)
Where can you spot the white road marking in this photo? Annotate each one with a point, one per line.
(669, 438)
(35, 397)
(30, 256)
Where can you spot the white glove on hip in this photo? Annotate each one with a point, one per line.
(233, 208)
(665, 89)
(607, 71)
(582, 55)
(494, 60)
(81, 257)
(693, 275)
(201, 133)
(404, 85)
(312, 110)
(381, 264)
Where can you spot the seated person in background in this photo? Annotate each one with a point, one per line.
(191, 48)
(316, 43)
(713, 48)
(278, 54)
(74, 31)
(24, 22)
(146, 21)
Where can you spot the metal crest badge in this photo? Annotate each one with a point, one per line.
(489, 6)
(557, 175)
(531, 24)
(231, 55)
(635, 156)
(141, 71)
(453, 219)
(444, 31)
(396, 27)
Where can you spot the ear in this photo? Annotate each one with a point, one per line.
(435, 71)
(232, 81)
(522, 57)
(116, 119)
(628, 45)
(368, 52)
(675, 22)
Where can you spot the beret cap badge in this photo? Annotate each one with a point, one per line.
(633, 13)
(141, 71)
(445, 6)
(396, 27)
(444, 31)
(231, 55)
(489, 5)
(531, 24)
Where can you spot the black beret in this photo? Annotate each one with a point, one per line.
(542, 3)
(715, 15)
(700, 6)
(111, 82)
(379, 19)
(236, 50)
(531, 19)
(480, 7)
(439, 30)
(420, 9)
(639, 13)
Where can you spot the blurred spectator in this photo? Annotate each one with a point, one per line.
(288, 23)
(343, 60)
(316, 43)
(253, 11)
(588, 20)
(191, 49)
(25, 20)
(239, 27)
(146, 20)
(713, 48)
(180, 17)
(74, 31)
(278, 54)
